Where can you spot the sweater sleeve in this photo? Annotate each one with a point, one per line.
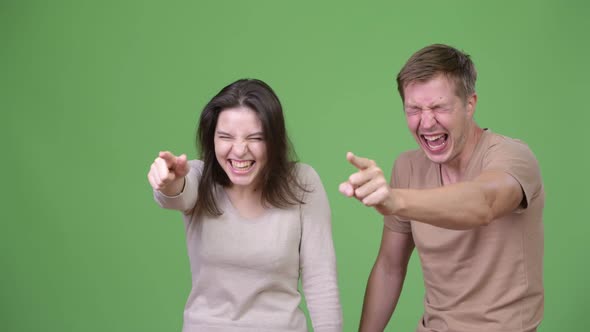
(186, 200)
(317, 257)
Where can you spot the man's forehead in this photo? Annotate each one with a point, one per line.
(440, 78)
(436, 90)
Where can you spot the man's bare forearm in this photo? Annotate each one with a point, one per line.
(458, 206)
(381, 297)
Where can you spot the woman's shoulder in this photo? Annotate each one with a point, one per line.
(306, 174)
(302, 169)
(196, 164)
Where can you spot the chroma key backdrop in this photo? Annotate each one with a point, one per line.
(90, 91)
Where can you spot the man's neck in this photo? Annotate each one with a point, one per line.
(455, 170)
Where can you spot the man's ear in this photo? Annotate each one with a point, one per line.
(471, 103)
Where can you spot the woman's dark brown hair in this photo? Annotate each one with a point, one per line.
(279, 183)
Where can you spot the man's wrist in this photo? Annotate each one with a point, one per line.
(394, 201)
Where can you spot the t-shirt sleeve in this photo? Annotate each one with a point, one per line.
(317, 256)
(186, 200)
(400, 178)
(515, 158)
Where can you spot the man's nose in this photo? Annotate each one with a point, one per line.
(427, 120)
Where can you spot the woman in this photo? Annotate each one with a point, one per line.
(255, 221)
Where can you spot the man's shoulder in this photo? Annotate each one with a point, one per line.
(505, 144)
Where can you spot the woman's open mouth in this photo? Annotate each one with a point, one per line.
(241, 166)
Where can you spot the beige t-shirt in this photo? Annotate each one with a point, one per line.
(488, 278)
(245, 272)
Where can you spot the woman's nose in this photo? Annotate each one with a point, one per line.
(240, 148)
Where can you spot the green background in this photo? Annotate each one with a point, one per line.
(90, 91)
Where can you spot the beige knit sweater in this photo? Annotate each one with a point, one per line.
(245, 272)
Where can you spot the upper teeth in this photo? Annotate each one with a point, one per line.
(433, 138)
(241, 164)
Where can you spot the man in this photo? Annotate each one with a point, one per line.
(469, 200)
